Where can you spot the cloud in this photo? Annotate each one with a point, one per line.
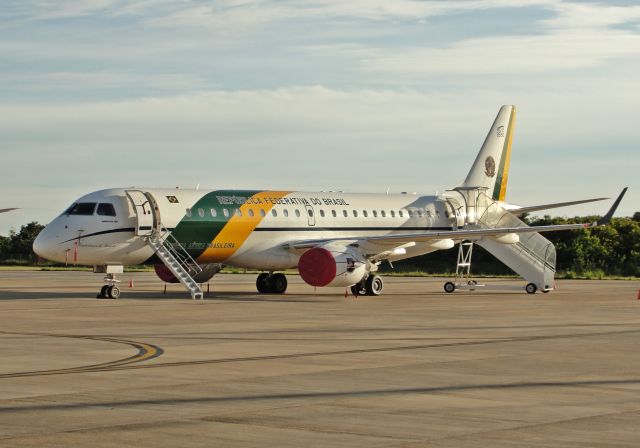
(579, 36)
(234, 13)
(111, 80)
(312, 109)
(242, 13)
(576, 49)
(57, 9)
(591, 16)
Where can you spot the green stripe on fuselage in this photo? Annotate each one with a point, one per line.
(196, 232)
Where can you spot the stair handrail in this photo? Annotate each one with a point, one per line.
(178, 251)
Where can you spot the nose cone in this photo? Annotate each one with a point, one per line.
(39, 246)
(44, 245)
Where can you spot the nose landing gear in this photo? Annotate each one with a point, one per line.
(110, 290)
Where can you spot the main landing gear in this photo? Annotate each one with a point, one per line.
(371, 286)
(110, 290)
(531, 288)
(268, 283)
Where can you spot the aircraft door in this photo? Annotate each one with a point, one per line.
(145, 217)
(311, 215)
(457, 213)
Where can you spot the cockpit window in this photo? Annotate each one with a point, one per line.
(106, 209)
(71, 207)
(82, 208)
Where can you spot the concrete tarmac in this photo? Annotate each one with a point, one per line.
(413, 368)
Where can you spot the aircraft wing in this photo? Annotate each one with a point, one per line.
(398, 239)
(4, 210)
(519, 211)
(408, 238)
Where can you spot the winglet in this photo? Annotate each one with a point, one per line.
(606, 219)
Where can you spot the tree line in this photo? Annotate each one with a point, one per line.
(612, 250)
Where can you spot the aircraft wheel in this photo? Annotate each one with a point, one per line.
(278, 283)
(263, 283)
(531, 288)
(449, 287)
(545, 291)
(114, 292)
(103, 292)
(374, 285)
(359, 289)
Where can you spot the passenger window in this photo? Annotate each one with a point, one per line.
(400, 213)
(310, 213)
(345, 214)
(106, 210)
(262, 213)
(285, 213)
(322, 213)
(83, 208)
(364, 213)
(333, 213)
(383, 214)
(225, 212)
(375, 214)
(355, 213)
(214, 213)
(393, 214)
(420, 214)
(201, 212)
(274, 212)
(238, 213)
(250, 212)
(297, 213)
(188, 213)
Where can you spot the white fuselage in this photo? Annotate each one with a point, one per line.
(242, 228)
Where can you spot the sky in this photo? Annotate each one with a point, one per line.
(358, 95)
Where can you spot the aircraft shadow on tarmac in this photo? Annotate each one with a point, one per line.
(8, 294)
(322, 395)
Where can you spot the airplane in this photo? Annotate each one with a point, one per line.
(333, 239)
(5, 210)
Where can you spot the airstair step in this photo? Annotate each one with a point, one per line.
(179, 262)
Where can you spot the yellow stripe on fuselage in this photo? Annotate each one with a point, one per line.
(239, 227)
(507, 157)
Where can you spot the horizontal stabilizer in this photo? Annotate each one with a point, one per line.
(519, 211)
(4, 210)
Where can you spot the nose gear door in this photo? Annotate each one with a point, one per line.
(145, 210)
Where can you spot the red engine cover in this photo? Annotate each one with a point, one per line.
(317, 267)
(164, 273)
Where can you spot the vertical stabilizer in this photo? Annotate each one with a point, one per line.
(491, 167)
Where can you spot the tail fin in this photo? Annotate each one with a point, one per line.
(491, 167)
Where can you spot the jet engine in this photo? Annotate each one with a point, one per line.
(333, 265)
(208, 271)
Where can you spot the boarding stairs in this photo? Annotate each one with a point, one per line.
(174, 256)
(533, 257)
(177, 259)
